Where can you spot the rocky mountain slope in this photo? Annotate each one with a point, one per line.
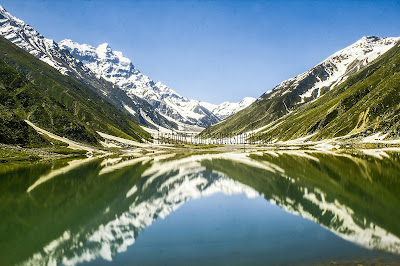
(293, 93)
(106, 71)
(119, 70)
(27, 38)
(367, 103)
(33, 90)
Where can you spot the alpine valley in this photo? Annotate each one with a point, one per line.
(115, 79)
(80, 90)
(119, 70)
(102, 165)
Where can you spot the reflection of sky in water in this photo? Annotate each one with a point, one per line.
(234, 230)
(207, 208)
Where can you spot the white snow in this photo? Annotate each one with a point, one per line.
(340, 63)
(118, 234)
(27, 38)
(114, 67)
(227, 109)
(110, 65)
(130, 110)
(338, 66)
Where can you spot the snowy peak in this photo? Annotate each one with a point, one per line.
(114, 67)
(289, 95)
(227, 109)
(335, 69)
(372, 41)
(27, 38)
(365, 50)
(101, 60)
(104, 49)
(91, 64)
(247, 101)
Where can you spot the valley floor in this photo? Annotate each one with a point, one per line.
(64, 148)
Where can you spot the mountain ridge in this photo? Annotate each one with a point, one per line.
(367, 103)
(114, 67)
(32, 89)
(48, 51)
(304, 88)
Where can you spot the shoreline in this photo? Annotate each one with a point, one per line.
(62, 147)
(18, 154)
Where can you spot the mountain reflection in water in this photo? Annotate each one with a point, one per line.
(90, 209)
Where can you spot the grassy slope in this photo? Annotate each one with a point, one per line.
(366, 102)
(256, 115)
(266, 110)
(13, 130)
(31, 89)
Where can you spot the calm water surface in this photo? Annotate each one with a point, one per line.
(230, 209)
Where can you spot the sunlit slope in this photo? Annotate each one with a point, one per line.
(366, 103)
(33, 90)
(13, 130)
(303, 104)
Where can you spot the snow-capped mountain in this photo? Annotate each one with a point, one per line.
(335, 69)
(27, 38)
(226, 109)
(119, 70)
(153, 104)
(290, 94)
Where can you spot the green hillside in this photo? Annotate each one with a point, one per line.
(256, 115)
(31, 89)
(13, 130)
(367, 102)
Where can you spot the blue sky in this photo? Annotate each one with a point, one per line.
(214, 50)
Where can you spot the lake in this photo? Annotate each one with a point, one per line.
(263, 208)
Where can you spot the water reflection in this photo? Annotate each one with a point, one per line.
(355, 197)
(72, 212)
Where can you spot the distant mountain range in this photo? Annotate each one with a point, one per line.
(119, 70)
(355, 90)
(107, 72)
(27, 38)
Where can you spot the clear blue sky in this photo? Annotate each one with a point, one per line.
(214, 50)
